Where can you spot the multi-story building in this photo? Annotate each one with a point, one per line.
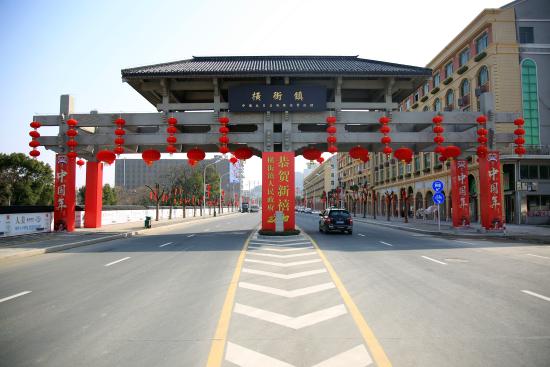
(503, 52)
(321, 182)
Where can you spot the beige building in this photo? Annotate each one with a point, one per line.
(323, 179)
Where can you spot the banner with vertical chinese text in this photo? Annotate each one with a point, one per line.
(490, 191)
(460, 193)
(64, 193)
(278, 189)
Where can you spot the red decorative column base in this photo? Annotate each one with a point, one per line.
(94, 195)
(278, 189)
(64, 193)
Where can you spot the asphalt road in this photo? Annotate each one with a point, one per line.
(156, 300)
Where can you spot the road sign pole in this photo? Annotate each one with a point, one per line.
(438, 219)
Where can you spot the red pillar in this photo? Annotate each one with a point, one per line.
(278, 189)
(460, 192)
(64, 193)
(94, 195)
(490, 191)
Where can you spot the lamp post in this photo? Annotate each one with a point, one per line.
(204, 184)
(220, 193)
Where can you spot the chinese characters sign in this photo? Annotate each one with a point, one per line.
(460, 193)
(64, 193)
(261, 98)
(277, 189)
(490, 191)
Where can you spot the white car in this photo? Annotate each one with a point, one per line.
(307, 210)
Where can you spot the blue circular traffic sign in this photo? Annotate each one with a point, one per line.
(437, 185)
(439, 198)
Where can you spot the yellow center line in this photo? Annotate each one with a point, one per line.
(215, 357)
(378, 353)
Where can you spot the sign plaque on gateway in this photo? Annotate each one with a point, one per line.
(277, 98)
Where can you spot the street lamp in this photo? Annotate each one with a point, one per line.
(204, 183)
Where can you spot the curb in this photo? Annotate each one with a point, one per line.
(66, 246)
(543, 240)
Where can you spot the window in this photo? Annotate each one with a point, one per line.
(417, 163)
(538, 202)
(481, 43)
(425, 89)
(437, 79)
(427, 160)
(544, 172)
(426, 108)
(449, 69)
(526, 35)
(529, 172)
(483, 76)
(437, 105)
(464, 57)
(408, 104)
(449, 99)
(465, 88)
(416, 97)
(530, 101)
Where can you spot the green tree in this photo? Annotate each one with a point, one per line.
(81, 195)
(109, 195)
(25, 181)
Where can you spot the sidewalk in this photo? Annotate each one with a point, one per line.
(527, 233)
(41, 243)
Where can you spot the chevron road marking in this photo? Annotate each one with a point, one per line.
(309, 253)
(245, 357)
(284, 293)
(279, 249)
(281, 244)
(355, 357)
(291, 322)
(284, 265)
(278, 241)
(284, 276)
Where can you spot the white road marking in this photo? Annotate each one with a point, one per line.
(355, 357)
(542, 257)
(536, 295)
(385, 243)
(284, 265)
(14, 296)
(281, 245)
(191, 235)
(279, 241)
(291, 322)
(466, 242)
(309, 253)
(279, 249)
(361, 234)
(284, 276)
(166, 244)
(245, 357)
(434, 260)
(288, 294)
(114, 262)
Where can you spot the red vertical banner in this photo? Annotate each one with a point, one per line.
(278, 189)
(490, 194)
(64, 193)
(460, 193)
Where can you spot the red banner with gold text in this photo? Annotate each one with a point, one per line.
(64, 193)
(277, 189)
(460, 193)
(490, 194)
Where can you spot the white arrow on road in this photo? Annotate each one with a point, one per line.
(291, 322)
(284, 265)
(309, 253)
(284, 276)
(288, 294)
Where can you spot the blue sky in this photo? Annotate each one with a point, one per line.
(49, 48)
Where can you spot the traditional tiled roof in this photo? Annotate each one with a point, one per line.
(275, 65)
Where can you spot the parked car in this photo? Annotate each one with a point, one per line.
(254, 208)
(244, 208)
(335, 220)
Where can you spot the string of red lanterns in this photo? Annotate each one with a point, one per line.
(224, 130)
(482, 136)
(34, 143)
(119, 132)
(385, 130)
(72, 133)
(519, 140)
(171, 139)
(438, 129)
(331, 130)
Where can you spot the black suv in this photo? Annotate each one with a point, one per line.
(335, 220)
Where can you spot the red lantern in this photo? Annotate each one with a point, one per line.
(119, 141)
(365, 157)
(519, 122)
(437, 119)
(106, 156)
(223, 139)
(482, 151)
(118, 150)
(243, 153)
(482, 139)
(520, 150)
(196, 154)
(223, 120)
(482, 132)
(385, 129)
(224, 149)
(171, 149)
(519, 141)
(387, 150)
(35, 124)
(34, 153)
(171, 129)
(385, 140)
(481, 119)
(442, 158)
(72, 155)
(120, 122)
(150, 156)
(438, 129)
(331, 139)
(34, 134)
(72, 122)
(439, 149)
(171, 140)
(439, 139)
(331, 129)
(223, 130)
(80, 163)
(331, 120)
(71, 133)
(320, 160)
(404, 155)
(519, 131)
(172, 121)
(452, 151)
(356, 152)
(332, 149)
(384, 120)
(120, 132)
(34, 144)
(311, 154)
(72, 143)
(233, 160)
(192, 162)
